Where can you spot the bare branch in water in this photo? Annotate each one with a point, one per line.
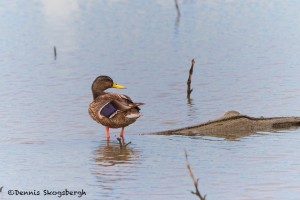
(127, 144)
(177, 8)
(188, 166)
(54, 53)
(189, 81)
(122, 143)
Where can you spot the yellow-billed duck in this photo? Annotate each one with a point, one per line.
(112, 110)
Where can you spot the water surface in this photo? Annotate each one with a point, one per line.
(247, 59)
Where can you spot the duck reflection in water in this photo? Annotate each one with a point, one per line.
(114, 166)
(111, 153)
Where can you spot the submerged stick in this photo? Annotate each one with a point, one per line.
(188, 166)
(54, 53)
(122, 143)
(177, 8)
(189, 81)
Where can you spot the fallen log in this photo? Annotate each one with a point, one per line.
(233, 125)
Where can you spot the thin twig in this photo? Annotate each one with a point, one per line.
(177, 8)
(188, 166)
(54, 53)
(122, 143)
(189, 81)
(127, 144)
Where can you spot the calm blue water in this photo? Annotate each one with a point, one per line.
(247, 59)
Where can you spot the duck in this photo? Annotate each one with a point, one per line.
(112, 110)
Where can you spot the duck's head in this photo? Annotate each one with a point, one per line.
(102, 83)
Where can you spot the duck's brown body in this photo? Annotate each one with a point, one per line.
(119, 120)
(120, 110)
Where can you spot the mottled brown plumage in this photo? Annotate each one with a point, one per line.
(127, 111)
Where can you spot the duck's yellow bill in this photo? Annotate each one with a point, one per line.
(118, 86)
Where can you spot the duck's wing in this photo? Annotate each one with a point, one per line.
(117, 103)
(124, 103)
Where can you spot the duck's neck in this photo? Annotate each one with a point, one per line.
(98, 93)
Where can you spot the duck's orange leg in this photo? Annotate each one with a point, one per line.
(107, 132)
(122, 133)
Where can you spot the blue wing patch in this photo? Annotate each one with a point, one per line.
(108, 110)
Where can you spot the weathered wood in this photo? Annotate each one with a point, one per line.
(233, 125)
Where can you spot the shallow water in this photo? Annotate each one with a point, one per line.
(247, 59)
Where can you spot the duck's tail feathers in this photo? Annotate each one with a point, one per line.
(124, 107)
(137, 104)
